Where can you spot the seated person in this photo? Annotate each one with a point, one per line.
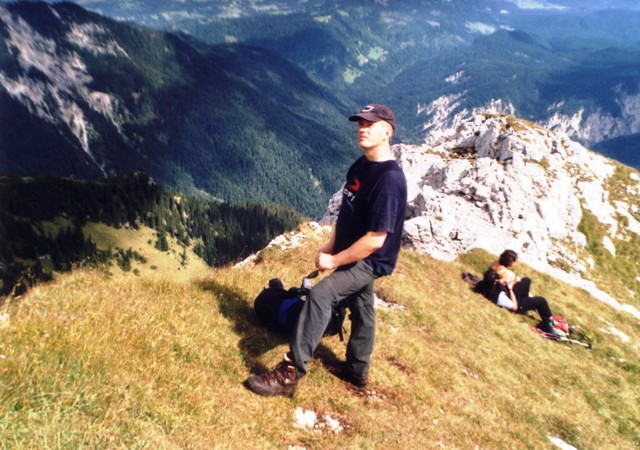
(499, 292)
(506, 260)
(501, 286)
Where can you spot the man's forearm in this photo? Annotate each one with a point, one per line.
(328, 247)
(358, 251)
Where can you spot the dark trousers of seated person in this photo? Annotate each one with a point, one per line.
(527, 303)
(521, 288)
(538, 303)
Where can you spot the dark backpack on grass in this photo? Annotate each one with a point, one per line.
(278, 308)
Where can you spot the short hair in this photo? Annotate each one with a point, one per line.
(390, 128)
(508, 257)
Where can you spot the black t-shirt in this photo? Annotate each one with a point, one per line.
(374, 199)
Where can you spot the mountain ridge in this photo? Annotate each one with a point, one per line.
(367, 43)
(195, 116)
(377, 49)
(202, 118)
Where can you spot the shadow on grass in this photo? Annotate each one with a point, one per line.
(255, 338)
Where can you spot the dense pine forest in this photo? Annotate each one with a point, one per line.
(42, 220)
(241, 123)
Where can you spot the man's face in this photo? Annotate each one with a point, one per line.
(373, 134)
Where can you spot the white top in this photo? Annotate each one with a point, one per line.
(504, 301)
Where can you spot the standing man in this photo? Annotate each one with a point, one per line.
(363, 247)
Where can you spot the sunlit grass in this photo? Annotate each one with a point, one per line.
(97, 361)
(143, 241)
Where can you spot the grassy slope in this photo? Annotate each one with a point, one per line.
(156, 362)
(143, 241)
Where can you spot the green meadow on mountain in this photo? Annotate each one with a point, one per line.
(50, 225)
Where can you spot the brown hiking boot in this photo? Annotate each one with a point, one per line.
(283, 380)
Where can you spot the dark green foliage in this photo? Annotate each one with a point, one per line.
(578, 59)
(222, 232)
(238, 122)
(326, 38)
(162, 244)
(124, 257)
(623, 149)
(219, 117)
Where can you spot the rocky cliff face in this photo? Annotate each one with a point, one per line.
(586, 126)
(497, 182)
(596, 126)
(61, 94)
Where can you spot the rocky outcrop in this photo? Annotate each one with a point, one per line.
(497, 182)
(596, 126)
(61, 94)
(588, 126)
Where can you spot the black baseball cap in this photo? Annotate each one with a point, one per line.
(374, 113)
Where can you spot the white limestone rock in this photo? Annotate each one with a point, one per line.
(497, 182)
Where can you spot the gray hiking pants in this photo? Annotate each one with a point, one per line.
(354, 284)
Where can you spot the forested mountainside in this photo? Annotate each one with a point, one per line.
(85, 96)
(568, 65)
(43, 224)
(260, 112)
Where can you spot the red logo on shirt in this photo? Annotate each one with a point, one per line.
(354, 186)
